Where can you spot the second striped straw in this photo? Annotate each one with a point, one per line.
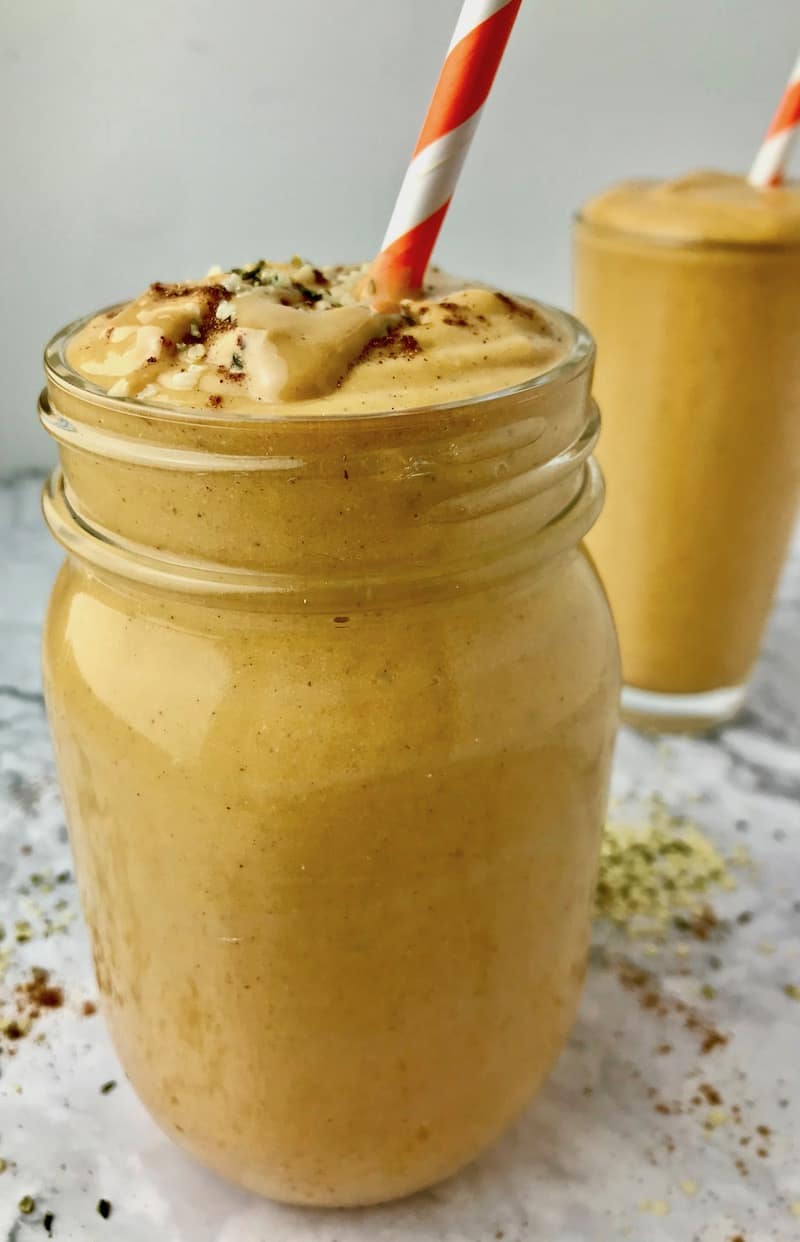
(770, 163)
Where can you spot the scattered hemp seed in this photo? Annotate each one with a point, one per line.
(104, 1208)
(656, 871)
(656, 1207)
(26, 1205)
(3, 1165)
(792, 990)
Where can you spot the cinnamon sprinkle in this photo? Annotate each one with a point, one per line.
(31, 997)
(394, 344)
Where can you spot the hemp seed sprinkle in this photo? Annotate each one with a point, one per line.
(656, 871)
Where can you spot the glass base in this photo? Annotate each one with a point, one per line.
(681, 713)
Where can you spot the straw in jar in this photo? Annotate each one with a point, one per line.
(469, 69)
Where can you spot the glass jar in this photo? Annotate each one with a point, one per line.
(333, 703)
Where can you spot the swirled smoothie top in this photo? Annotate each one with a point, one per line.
(307, 339)
(700, 207)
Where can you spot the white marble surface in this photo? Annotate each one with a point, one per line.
(593, 1160)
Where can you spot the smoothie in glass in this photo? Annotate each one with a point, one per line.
(333, 690)
(691, 289)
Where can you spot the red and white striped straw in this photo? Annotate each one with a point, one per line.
(770, 163)
(472, 60)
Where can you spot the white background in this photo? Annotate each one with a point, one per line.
(148, 140)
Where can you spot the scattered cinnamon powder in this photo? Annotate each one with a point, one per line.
(526, 312)
(456, 316)
(707, 1104)
(30, 998)
(395, 344)
(40, 992)
(163, 290)
(710, 1094)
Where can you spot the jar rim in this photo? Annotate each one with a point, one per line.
(59, 373)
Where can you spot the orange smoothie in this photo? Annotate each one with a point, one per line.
(333, 691)
(691, 289)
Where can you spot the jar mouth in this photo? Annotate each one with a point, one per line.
(60, 374)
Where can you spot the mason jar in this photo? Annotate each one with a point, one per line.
(333, 702)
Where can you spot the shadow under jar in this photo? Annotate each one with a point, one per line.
(333, 703)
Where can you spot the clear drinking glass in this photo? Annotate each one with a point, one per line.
(698, 377)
